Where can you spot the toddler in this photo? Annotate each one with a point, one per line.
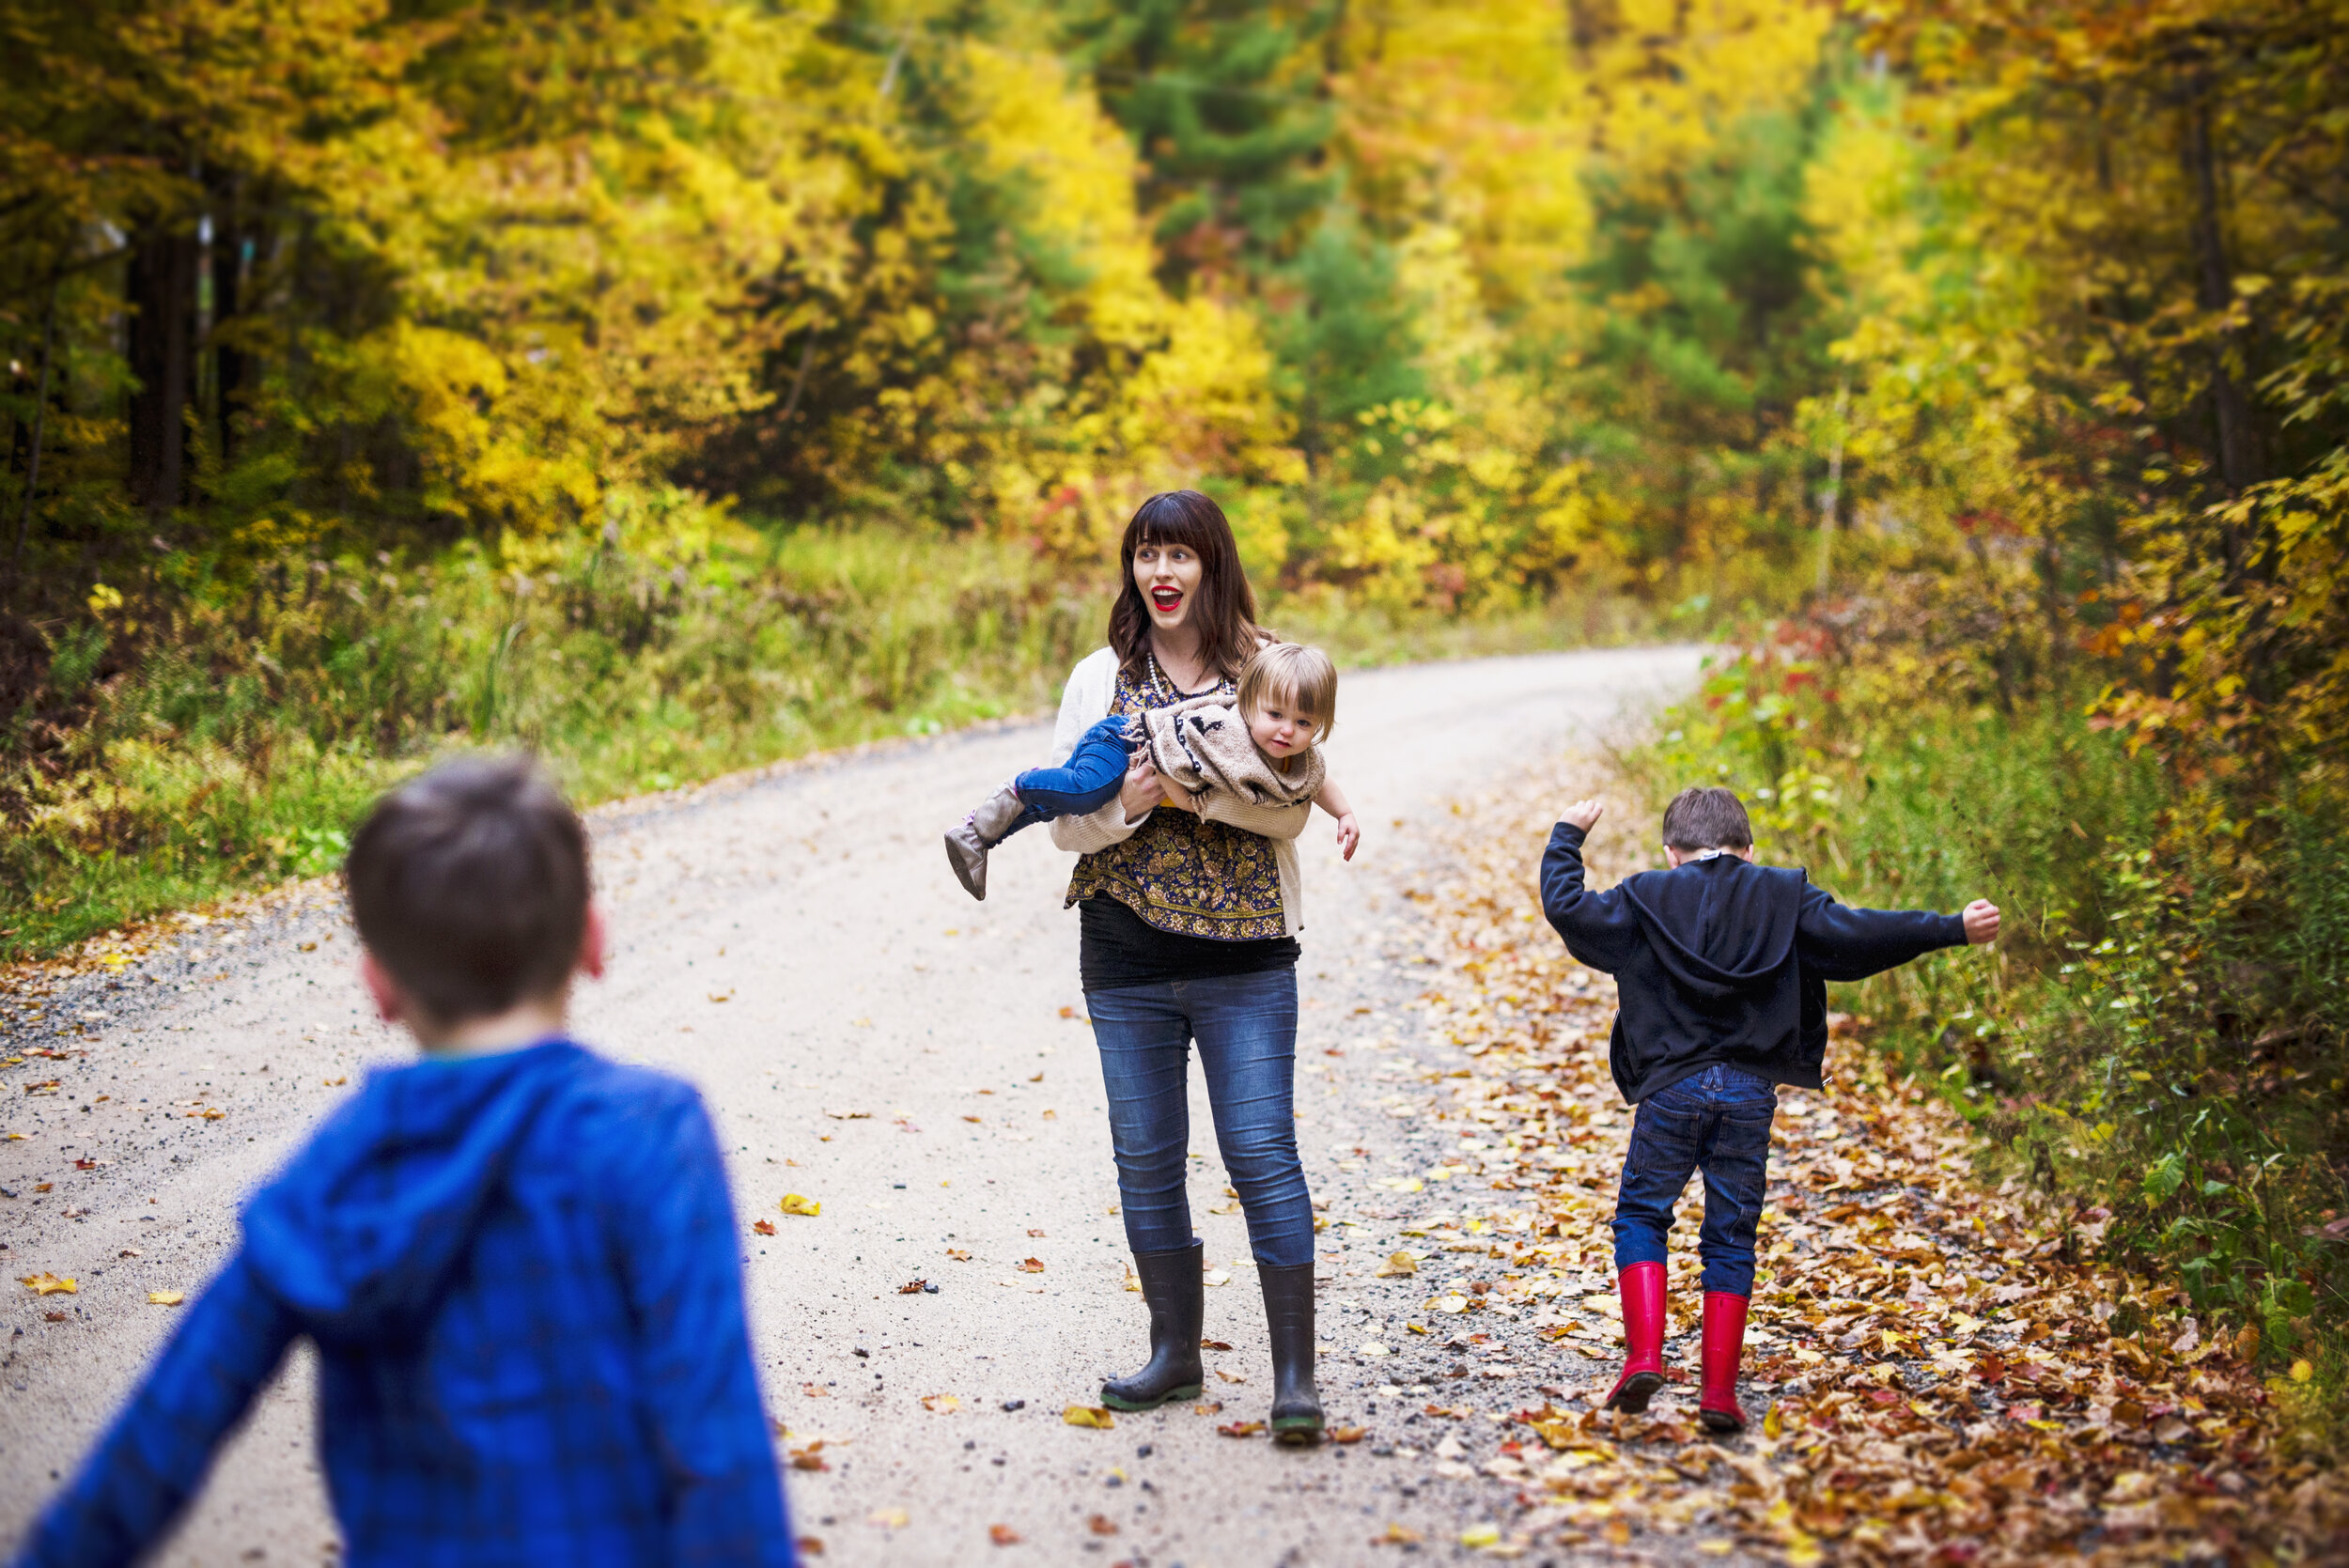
(1260, 749)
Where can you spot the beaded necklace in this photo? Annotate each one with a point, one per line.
(1161, 683)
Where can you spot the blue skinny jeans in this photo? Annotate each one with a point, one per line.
(1094, 771)
(1246, 1028)
(1718, 1121)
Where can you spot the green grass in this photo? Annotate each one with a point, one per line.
(247, 732)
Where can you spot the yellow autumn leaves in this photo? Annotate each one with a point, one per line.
(51, 1284)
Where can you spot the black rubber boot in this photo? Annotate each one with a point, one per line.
(1288, 1310)
(1171, 1284)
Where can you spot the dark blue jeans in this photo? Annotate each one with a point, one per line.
(1246, 1027)
(1094, 771)
(1719, 1121)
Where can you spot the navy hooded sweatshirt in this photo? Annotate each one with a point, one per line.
(1723, 961)
(521, 1275)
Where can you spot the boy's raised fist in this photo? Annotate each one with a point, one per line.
(1583, 812)
(1982, 922)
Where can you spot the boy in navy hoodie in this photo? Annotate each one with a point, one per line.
(517, 1259)
(1720, 972)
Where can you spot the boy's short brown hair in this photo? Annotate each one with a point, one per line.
(1707, 817)
(1302, 675)
(470, 887)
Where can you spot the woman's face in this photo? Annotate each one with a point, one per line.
(1167, 576)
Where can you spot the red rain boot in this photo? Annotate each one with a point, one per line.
(1641, 1287)
(1724, 1347)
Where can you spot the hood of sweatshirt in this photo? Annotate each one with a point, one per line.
(360, 1238)
(1719, 927)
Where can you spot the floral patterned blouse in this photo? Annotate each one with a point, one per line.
(1178, 873)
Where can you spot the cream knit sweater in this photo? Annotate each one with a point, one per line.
(1084, 701)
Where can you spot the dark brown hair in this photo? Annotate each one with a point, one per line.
(1225, 609)
(469, 885)
(1707, 818)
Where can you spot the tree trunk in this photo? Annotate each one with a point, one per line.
(229, 362)
(161, 294)
(2238, 438)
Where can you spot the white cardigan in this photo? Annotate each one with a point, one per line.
(1084, 701)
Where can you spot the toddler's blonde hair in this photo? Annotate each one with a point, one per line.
(1302, 675)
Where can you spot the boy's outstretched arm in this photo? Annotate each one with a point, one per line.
(1840, 943)
(675, 1235)
(133, 1487)
(1600, 928)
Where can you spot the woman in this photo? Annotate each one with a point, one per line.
(1189, 932)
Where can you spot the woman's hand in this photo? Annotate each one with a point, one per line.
(1349, 835)
(1144, 791)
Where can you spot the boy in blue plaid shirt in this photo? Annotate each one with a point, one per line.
(518, 1260)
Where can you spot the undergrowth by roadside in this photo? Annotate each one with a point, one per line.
(2162, 1044)
(179, 741)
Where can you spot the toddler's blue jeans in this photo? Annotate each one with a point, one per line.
(1094, 771)
(1246, 1027)
(1719, 1121)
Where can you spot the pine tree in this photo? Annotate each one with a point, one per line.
(1222, 100)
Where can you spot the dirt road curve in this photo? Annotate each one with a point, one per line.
(870, 1038)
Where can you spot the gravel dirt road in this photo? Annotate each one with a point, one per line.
(866, 1036)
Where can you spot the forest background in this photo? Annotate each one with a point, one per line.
(674, 387)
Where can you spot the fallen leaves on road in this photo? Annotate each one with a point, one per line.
(1942, 1372)
(1101, 1524)
(1240, 1429)
(815, 1390)
(941, 1405)
(166, 1298)
(1213, 1344)
(849, 1115)
(48, 1284)
(1397, 1265)
(1003, 1535)
(1088, 1415)
(1032, 1265)
(914, 1287)
(794, 1202)
(1347, 1434)
(889, 1519)
(957, 1254)
(764, 1227)
(1395, 1535)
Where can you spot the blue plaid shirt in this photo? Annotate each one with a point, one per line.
(520, 1274)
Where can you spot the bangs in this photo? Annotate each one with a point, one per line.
(1167, 521)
